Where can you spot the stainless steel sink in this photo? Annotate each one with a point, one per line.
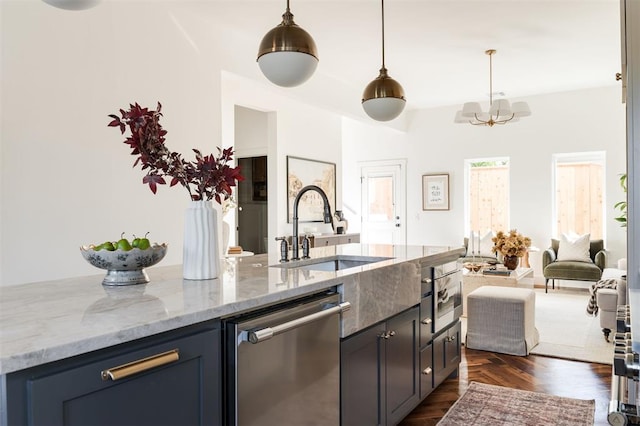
(332, 263)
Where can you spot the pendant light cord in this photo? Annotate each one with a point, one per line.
(490, 79)
(382, 1)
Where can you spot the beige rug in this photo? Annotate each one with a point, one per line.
(489, 405)
(566, 331)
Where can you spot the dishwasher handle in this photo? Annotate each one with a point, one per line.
(257, 336)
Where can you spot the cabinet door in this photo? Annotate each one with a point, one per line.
(446, 353)
(182, 392)
(452, 347)
(402, 365)
(360, 379)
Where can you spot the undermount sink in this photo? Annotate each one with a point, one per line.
(333, 263)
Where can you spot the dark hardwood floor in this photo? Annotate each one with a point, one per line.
(573, 379)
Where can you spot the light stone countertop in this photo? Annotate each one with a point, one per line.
(52, 320)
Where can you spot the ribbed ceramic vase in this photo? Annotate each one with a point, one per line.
(200, 260)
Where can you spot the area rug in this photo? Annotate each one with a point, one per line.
(566, 331)
(490, 405)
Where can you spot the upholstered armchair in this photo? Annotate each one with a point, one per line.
(554, 269)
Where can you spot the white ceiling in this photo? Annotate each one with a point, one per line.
(435, 48)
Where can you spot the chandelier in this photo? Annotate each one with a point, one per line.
(500, 110)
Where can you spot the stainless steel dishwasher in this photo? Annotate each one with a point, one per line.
(283, 364)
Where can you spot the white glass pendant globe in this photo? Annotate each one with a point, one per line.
(73, 4)
(287, 69)
(384, 109)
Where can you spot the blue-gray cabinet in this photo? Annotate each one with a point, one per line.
(446, 353)
(168, 379)
(379, 372)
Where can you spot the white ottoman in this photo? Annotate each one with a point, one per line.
(502, 319)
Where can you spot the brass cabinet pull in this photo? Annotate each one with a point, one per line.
(427, 371)
(126, 370)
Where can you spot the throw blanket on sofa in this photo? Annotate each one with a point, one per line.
(592, 306)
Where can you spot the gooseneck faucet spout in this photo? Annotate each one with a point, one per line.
(326, 214)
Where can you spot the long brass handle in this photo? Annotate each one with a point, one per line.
(126, 370)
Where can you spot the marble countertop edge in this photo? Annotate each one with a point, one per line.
(50, 321)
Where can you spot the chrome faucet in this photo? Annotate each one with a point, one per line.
(326, 214)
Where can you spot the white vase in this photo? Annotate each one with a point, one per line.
(200, 260)
(226, 230)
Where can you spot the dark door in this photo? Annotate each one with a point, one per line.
(252, 205)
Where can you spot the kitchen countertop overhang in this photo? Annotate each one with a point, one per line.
(52, 320)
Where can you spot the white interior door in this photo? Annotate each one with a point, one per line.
(383, 203)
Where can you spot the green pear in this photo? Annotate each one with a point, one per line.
(123, 244)
(144, 243)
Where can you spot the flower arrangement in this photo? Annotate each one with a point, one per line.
(511, 244)
(206, 178)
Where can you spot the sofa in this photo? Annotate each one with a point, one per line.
(608, 299)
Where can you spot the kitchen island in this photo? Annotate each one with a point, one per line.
(46, 322)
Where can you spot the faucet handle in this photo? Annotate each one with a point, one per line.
(305, 247)
(284, 249)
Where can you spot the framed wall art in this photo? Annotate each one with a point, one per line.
(435, 192)
(302, 172)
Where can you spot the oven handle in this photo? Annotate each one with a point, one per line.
(257, 336)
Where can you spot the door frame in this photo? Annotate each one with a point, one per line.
(401, 191)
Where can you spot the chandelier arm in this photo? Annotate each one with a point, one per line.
(506, 120)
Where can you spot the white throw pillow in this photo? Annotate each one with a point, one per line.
(486, 245)
(574, 247)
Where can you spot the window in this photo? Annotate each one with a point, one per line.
(579, 193)
(487, 200)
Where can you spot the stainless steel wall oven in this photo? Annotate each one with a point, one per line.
(447, 294)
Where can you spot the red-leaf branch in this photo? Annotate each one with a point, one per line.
(208, 177)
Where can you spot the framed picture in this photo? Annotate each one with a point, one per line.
(302, 172)
(435, 192)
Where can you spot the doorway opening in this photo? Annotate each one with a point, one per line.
(252, 219)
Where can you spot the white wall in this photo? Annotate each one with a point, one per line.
(67, 178)
(587, 120)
